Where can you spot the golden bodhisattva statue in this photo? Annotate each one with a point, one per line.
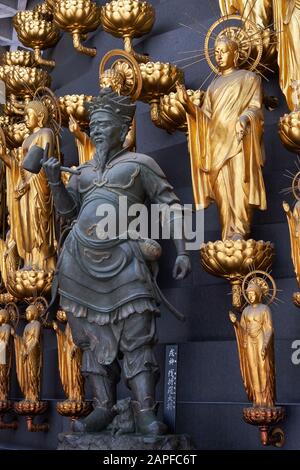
(226, 142)
(287, 25)
(28, 349)
(255, 340)
(29, 200)
(69, 360)
(254, 334)
(293, 219)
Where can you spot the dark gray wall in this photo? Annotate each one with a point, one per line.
(211, 395)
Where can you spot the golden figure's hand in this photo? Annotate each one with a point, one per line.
(232, 317)
(286, 206)
(263, 353)
(73, 125)
(243, 124)
(182, 94)
(73, 351)
(54, 326)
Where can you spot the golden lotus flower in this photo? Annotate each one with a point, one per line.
(23, 58)
(28, 283)
(289, 131)
(78, 17)
(26, 407)
(36, 32)
(172, 114)
(15, 134)
(127, 18)
(23, 81)
(234, 259)
(159, 79)
(74, 105)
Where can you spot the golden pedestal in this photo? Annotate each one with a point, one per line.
(30, 409)
(265, 419)
(29, 283)
(74, 409)
(234, 259)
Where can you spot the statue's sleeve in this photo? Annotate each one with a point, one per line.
(267, 326)
(157, 187)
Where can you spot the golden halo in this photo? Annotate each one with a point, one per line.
(246, 33)
(265, 281)
(14, 314)
(296, 186)
(134, 88)
(47, 97)
(42, 305)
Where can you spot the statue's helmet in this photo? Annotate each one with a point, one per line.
(118, 106)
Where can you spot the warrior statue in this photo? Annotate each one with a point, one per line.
(107, 286)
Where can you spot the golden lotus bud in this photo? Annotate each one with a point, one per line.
(34, 31)
(29, 283)
(23, 58)
(173, 114)
(74, 105)
(289, 131)
(127, 18)
(80, 15)
(159, 79)
(44, 11)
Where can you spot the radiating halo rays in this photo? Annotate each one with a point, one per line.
(237, 27)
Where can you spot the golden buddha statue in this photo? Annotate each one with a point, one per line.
(29, 199)
(28, 349)
(69, 361)
(6, 332)
(226, 142)
(293, 219)
(287, 25)
(255, 334)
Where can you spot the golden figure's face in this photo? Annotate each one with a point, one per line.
(31, 119)
(32, 313)
(251, 294)
(224, 56)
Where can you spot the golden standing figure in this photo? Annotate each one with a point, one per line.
(85, 146)
(69, 361)
(254, 334)
(293, 219)
(287, 25)
(28, 349)
(30, 201)
(6, 332)
(226, 142)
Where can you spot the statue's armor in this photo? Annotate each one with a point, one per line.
(105, 275)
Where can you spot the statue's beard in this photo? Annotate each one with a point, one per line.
(102, 153)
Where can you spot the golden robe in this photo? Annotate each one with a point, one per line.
(258, 11)
(254, 332)
(223, 169)
(287, 24)
(29, 368)
(293, 219)
(69, 361)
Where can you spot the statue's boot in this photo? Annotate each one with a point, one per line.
(104, 393)
(144, 406)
